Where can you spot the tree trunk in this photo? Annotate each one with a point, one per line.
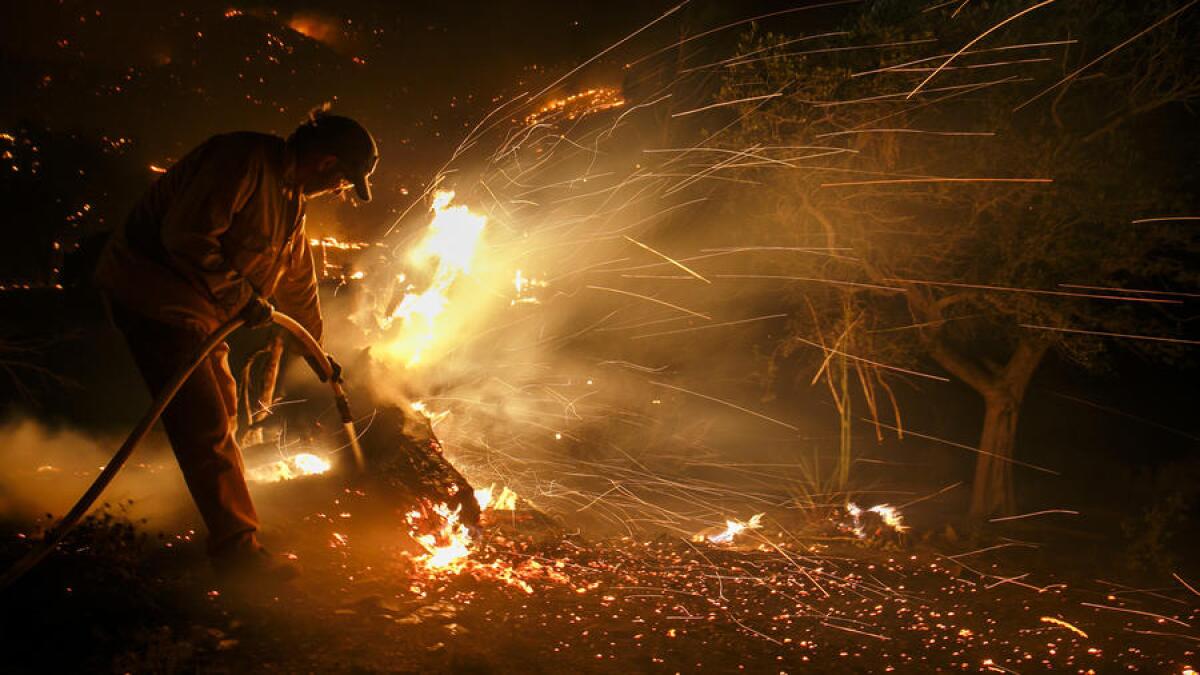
(1003, 391)
(992, 490)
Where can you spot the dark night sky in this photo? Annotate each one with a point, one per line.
(149, 81)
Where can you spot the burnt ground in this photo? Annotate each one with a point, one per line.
(538, 599)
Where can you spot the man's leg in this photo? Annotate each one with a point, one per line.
(200, 423)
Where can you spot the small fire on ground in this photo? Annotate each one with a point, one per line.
(732, 529)
(296, 466)
(449, 546)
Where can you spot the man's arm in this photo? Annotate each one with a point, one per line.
(296, 294)
(223, 181)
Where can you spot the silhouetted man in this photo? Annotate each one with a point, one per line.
(221, 234)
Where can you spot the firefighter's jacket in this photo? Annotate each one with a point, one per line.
(222, 224)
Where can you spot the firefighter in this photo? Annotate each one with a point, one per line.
(219, 235)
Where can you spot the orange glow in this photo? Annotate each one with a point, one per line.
(315, 27)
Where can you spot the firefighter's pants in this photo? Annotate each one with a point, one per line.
(201, 423)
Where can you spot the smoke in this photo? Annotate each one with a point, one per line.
(557, 357)
(45, 470)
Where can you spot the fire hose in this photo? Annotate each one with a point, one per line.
(310, 345)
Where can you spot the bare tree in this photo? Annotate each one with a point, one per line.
(975, 207)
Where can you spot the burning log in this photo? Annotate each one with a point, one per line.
(408, 466)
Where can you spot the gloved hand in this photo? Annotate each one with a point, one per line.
(257, 312)
(334, 366)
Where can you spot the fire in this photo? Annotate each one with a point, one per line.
(447, 548)
(448, 248)
(889, 514)
(578, 105)
(448, 551)
(302, 464)
(505, 501)
(732, 529)
(524, 286)
(449, 545)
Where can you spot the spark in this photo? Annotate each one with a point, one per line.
(1152, 615)
(835, 282)
(1010, 460)
(715, 325)
(618, 43)
(986, 549)
(1035, 513)
(1108, 53)
(722, 104)
(1032, 291)
(726, 403)
(669, 259)
(809, 52)
(654, 300)
(982, 35)
(905, 131)
(1138, 291)
(1185, 584)
(898, 369)
(1162, 219)
(740, 22)
(1027, 45)
(898, 181)
(1080, 331)
(1064, 624)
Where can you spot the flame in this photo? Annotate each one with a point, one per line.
(302, 464)
(447, 548)
(449, 247)
(889, 514)
(732, 529)
(487, 499)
